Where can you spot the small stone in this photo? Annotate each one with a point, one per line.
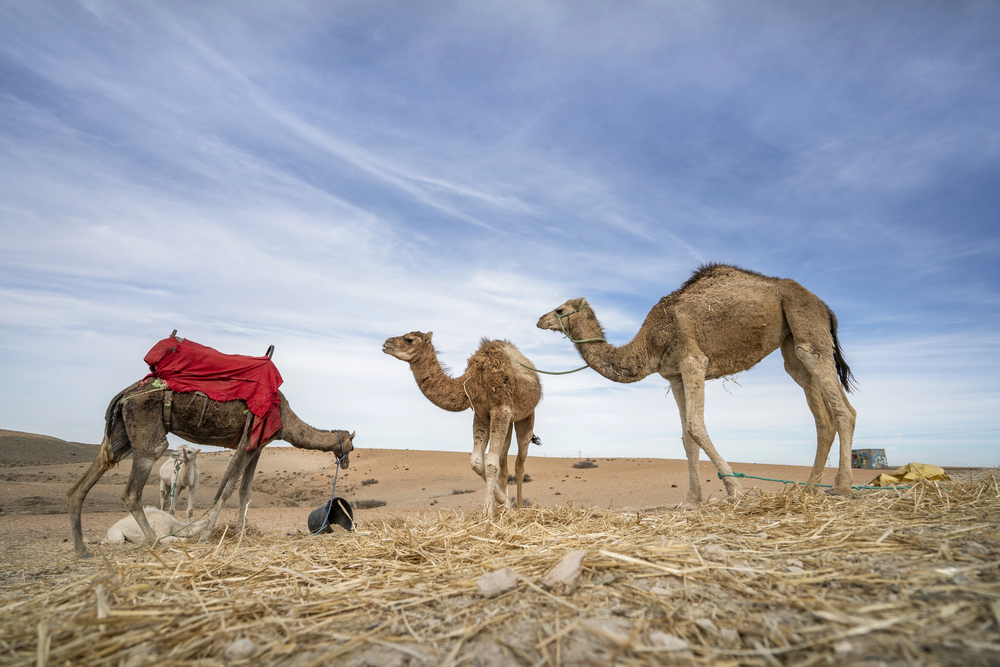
(667, 642)
(605, 579)
(730, 637)
(715, 552)
(844, 647)
(497, 582)
(616, 629)
(562, 578)
(241, 649)
(706, 625)
(794, 569)
(794, 562)
(976, 549)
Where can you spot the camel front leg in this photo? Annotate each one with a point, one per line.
(246, 486)
(229, 479)
(693, 378)
(142, 464)
(500, 490)
(690, 446)
(525, 430)
(480, 437)
(499, 427)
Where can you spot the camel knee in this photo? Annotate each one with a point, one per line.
(477, 465)
(806, 356)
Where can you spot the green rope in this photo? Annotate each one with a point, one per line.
(791, 481)
(571, 339)
(553, 372)
(173, 489)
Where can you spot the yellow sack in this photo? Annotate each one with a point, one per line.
(911, 472)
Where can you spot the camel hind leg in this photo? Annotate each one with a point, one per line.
(814, 347)
(77, 493)
(114, 447)
(826, 429)
(143, 419)
(525, 430)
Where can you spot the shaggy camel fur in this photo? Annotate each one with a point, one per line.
(127, 530)
(182, 467)
(722, 321)
(497, 388)
(136, 423)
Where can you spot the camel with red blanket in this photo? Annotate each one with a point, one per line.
(236, 404)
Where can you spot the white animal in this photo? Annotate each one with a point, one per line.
(127, 530)
(187, 477)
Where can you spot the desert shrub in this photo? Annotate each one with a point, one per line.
(368, 504)
(512, 478)
(366, 482)
(586, 463)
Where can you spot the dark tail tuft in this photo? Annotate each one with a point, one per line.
(535, 440)
(843, 370)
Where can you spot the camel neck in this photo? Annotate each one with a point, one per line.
(299, 434)
(440, 389)
(628, 363)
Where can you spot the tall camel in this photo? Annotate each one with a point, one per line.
(724, 320)
(498, 388)
(136, 424)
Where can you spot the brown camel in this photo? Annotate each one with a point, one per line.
(135, 424)
(724, 320)
(499, 389)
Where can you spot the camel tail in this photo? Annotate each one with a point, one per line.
(116, 441)
(843, 370)
(535, 440)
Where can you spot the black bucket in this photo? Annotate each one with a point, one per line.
(342, 515)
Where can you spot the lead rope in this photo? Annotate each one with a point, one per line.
(329, 507)
(572, 340)
(173, 489)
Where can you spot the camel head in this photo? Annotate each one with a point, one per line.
(184, 453)
(551, 319)
(408, 346)
(346, 442)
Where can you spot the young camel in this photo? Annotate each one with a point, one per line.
(180, 472)
(500, 391)
(167, 528)
(137, 422)
(724, 320)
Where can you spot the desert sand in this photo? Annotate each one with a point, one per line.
(290, 483)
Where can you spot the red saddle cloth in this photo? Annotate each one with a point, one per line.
(187, 366)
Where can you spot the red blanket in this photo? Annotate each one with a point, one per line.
(187, 366)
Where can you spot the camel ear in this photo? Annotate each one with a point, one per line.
(428, 336)
(579, 303)
(352, 435)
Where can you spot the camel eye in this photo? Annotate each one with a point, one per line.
(409, 341)
(559, 311)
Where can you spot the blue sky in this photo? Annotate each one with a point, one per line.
(323, 175)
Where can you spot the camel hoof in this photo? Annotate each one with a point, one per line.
(840, 491)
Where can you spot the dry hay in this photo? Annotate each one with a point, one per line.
(888, 577)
